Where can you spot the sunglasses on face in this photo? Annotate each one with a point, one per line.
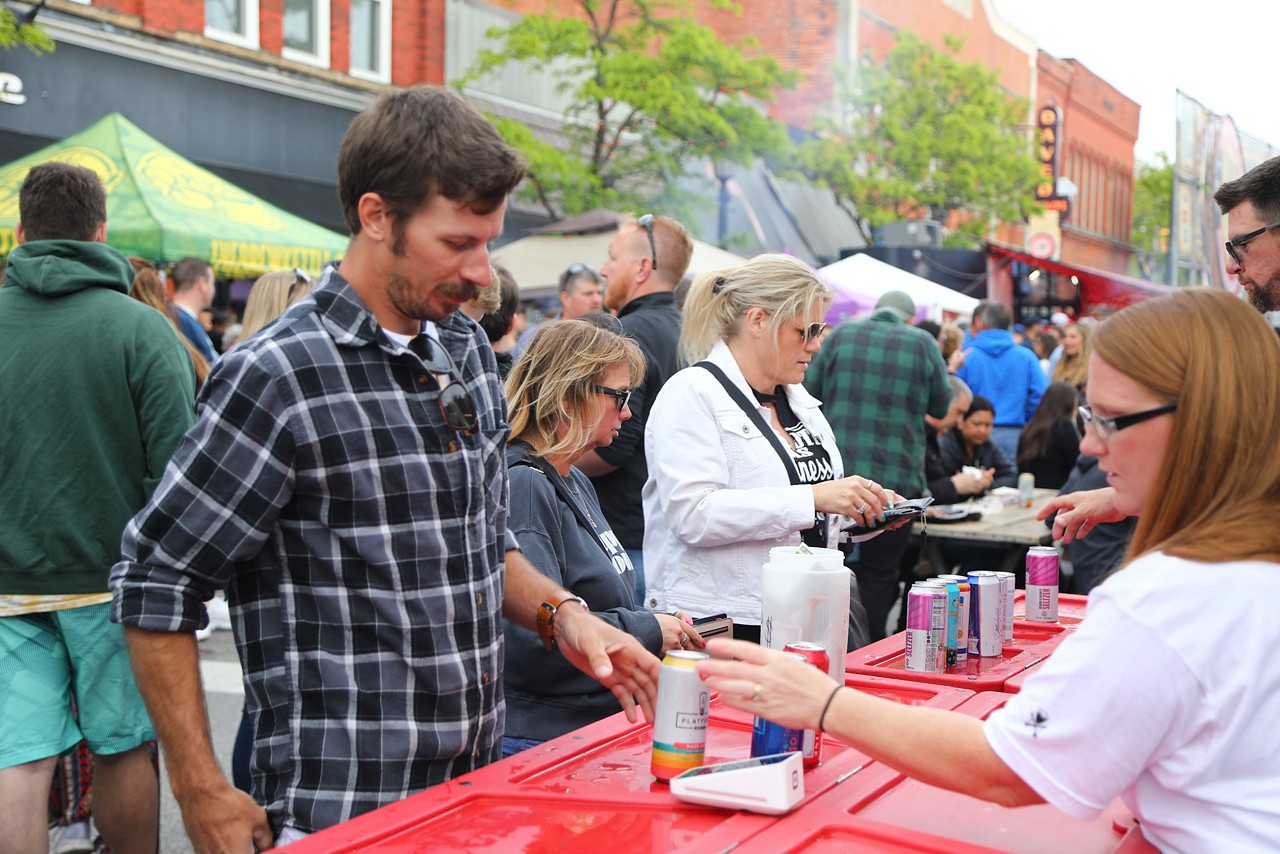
(646, 222)
(622, 397)
(812, 331)
(456, 404)
(1235, 247)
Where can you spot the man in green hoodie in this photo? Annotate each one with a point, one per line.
(98, 391)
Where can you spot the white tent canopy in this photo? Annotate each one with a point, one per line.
(867, 276)
(538, 261)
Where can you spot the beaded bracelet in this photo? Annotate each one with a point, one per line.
(822, 719)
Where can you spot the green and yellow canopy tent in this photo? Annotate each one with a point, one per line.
(163, 207)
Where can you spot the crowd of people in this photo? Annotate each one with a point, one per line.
(442, 541)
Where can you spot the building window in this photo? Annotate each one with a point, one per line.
(234, 21)
(371, 40)
(306, 31)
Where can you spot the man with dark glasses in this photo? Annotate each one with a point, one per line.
(641, 292)
(346, 483)
(877, 379)
(1252, 205)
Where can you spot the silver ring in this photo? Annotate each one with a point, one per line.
(861, 509)
(755, 695)
(684, 640)
(871, 484)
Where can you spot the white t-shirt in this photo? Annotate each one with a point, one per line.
(1168, 696)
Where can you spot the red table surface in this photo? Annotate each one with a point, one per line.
(1071, 607)
(879, 810)
(1032, 642)
(1014, 683)
(591, 791)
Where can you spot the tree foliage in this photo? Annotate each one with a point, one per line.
(30, 36)
(1152, 215)
(925, 134)
(650, 89)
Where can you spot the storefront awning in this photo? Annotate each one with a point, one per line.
(1097, 288)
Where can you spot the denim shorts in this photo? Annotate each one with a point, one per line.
(47, 660)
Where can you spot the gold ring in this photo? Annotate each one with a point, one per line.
(755, 695)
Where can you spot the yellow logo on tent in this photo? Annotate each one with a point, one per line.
(79, 155)
(195, 188)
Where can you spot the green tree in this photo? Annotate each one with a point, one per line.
(14, 34)
(925, 134)
(1152, 216)
(650, 90)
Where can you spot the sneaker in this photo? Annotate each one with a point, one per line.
(74, 838)
(219, 613)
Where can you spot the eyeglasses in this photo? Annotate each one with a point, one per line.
(301, 282)
(812, 331)
(456, 404)
(621, 396)
(1107, 427)
(1234, 246)
(576, 270)
(646, 222)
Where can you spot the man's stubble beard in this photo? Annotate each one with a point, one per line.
(1265, 296)
(402, 296)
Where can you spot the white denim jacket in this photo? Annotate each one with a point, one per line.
(718, 496)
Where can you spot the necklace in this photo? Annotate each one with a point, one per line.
(578, 498)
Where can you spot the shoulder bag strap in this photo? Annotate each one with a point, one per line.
(564, 495)
(754, 414)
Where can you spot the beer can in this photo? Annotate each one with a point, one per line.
(815, 654)
(1042, 584)
(953, 621)
(926, 627)
(986, 615)
(1008, 588)
(962, 621)
(680, 719)
(768, 738)
(1026, 489)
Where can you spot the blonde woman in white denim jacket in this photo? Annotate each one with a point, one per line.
(718, 495)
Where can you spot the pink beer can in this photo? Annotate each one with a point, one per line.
(926, 641)
(1042, 584)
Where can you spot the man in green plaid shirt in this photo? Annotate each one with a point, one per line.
(877, 378)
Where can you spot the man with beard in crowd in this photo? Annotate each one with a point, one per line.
(346, 483)
(1251, 204)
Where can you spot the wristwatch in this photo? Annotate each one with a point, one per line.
(547, 616)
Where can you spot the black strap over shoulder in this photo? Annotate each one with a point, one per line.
(564, 495)
(754, 414)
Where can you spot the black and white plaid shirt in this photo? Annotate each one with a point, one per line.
(361, 542)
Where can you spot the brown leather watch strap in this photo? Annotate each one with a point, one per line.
(547, 616)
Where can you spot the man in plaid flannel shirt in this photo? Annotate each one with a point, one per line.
(877, 378)
(345, 481)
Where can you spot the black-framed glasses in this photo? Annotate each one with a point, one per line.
(1233, 246)
(456, 403)
(812, 332)
(1107, 427)
(646, 222)
(623, 397)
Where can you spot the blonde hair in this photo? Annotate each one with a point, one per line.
(270, 295)
(783, 286)
(1217, 494)
(1074, 369)
(950, 339)
(551, 386)
(149, 290)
